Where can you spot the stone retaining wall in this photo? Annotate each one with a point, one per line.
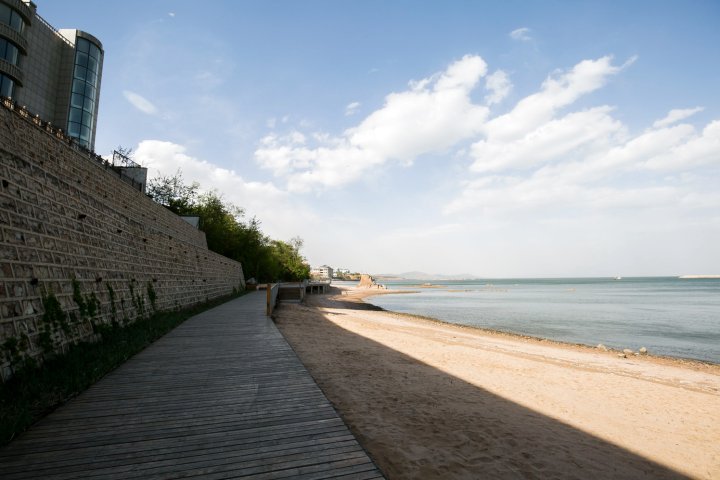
(72, 230)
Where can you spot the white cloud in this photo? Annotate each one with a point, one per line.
(351, 108)
(499, 86)
(306, 168)
(539, 157)
(433, 115)
(140, 102)
(557, 91)
(676, 115)
(297, 138)
(171, 14)
(691, 150)
(549, 142)
(542, 162)
(522, 34)
(504, 196)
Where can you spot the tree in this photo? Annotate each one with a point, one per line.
(173, 193)
(220, 221)
(292, 265)
(227, 232)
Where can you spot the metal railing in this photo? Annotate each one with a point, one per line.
(55, 30)
(122, 160)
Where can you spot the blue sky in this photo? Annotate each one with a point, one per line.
(499, 139)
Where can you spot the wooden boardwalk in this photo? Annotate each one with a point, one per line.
(221, 396)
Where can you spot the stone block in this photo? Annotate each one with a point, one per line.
(6, 270)
(8, 252)
(28, 255)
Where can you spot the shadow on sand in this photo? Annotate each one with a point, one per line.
(487, 437)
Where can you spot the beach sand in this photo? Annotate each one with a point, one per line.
(433, 400)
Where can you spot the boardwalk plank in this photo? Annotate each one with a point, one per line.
(139, 450)
(257, 435)
(213, 416)
(221, 396)
(189, 454)
(172, 466)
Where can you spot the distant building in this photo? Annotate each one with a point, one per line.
(322, 273)
(340, 272)
(54, 73)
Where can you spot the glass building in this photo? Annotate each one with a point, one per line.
(56, 74)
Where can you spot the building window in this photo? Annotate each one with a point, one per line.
(9, 52)
(6, 86)
(83, 100)
(11, 18)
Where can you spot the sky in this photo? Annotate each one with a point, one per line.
(490, 138)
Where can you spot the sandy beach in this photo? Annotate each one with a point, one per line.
(433, 400)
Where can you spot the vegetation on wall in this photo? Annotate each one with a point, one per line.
(35, 391)
(58, 327)
(229, 233)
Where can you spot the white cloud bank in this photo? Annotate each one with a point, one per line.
(542, 164)
(540, 155)
(432, 115)
(539, 152)
(140, 102)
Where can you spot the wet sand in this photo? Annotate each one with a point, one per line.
(432, 400)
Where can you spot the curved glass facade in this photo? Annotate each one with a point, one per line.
(9, 52)
(11, 18)
(54, 74)
(83, 98)
(7, 86)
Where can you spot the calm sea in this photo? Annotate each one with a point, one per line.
(668, 316)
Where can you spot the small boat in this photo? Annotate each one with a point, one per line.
(618, 278)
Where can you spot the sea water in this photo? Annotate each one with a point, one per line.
(669, 316)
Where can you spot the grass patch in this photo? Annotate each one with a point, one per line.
(34, 392)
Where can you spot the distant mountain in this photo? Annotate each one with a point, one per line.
(424, 276)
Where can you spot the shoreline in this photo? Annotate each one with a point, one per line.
(664, 359)
(430, 399)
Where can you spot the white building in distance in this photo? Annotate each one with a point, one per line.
(323, 272)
